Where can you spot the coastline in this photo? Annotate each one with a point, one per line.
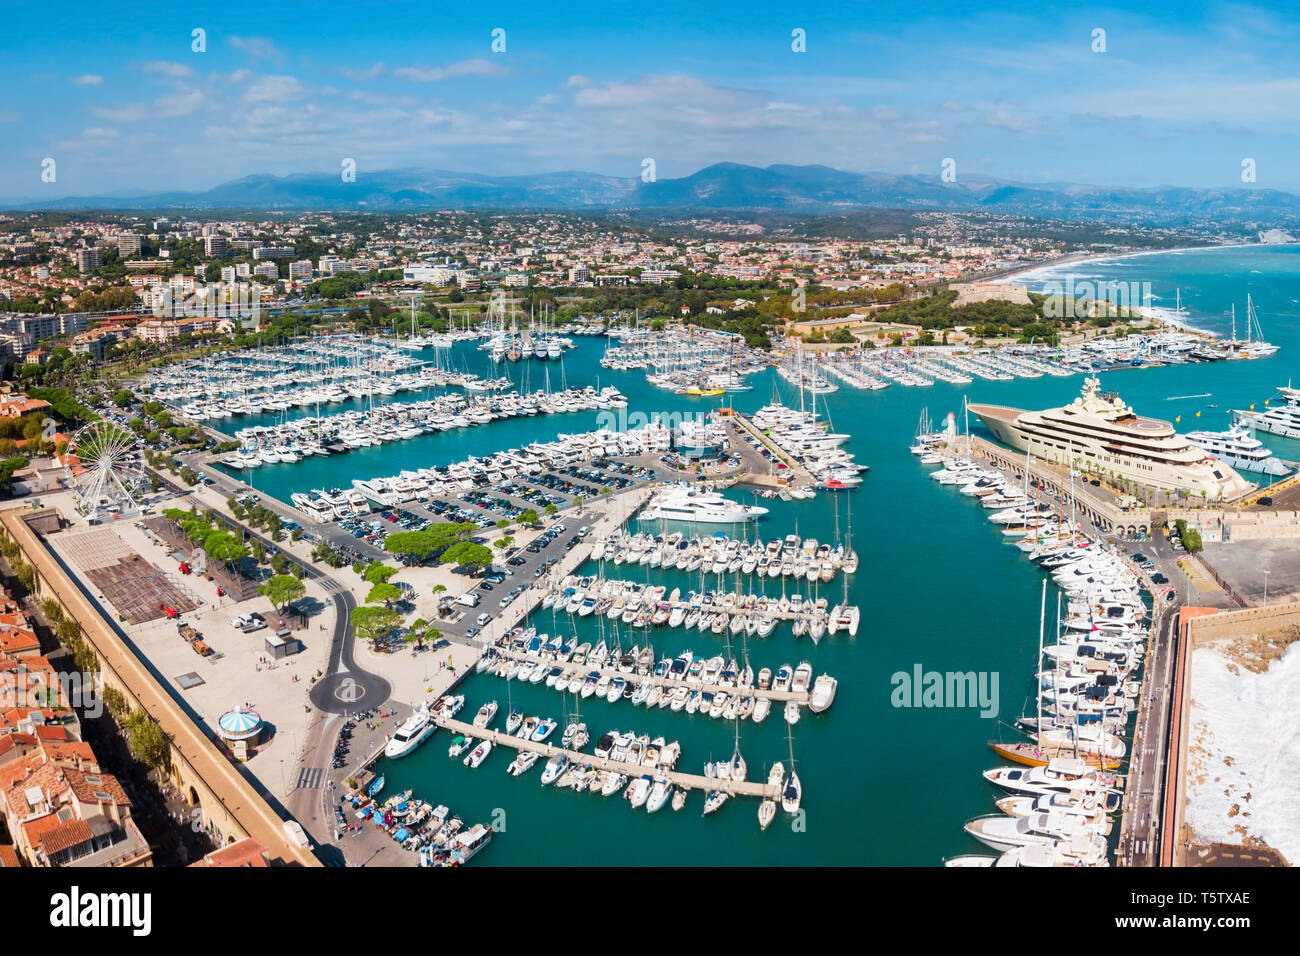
(1157, 315)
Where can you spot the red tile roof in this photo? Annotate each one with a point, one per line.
(247, 852)
(65, 835)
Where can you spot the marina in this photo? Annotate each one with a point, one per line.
(874, 555)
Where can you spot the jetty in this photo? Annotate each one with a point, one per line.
(799, 697)
(687, 781)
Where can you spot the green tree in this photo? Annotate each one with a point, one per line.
(224, 547)
(529, 517)
(282, 589)
(418, 546)
(147, 740)
(373, 623)
(378, 573)
(467, 555)
(383, 593)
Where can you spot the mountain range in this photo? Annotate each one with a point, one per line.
(722, 186)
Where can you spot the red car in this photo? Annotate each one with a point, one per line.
(185, 568)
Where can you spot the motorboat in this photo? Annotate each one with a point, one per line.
(485, 714)
(414, 731)
(478, 754)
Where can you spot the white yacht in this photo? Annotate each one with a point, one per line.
(1100, 433)
(1281, 419)
(1240, 449)
(414, 731)
(701, 507)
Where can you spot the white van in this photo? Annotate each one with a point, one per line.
(468, 599)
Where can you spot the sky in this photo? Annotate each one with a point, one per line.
(117, 96)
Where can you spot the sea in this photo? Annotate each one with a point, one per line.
(883, 784)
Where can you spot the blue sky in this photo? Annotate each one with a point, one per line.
(113, 92)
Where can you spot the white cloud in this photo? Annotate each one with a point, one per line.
(432, 74)
(366, 73)
(88, 79)
(166, 68)
(257, 49)
(280, 89)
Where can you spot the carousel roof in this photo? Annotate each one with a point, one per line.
(239, 722)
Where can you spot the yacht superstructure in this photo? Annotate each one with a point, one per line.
(1099, 432)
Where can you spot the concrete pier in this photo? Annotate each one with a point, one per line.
(687, 781)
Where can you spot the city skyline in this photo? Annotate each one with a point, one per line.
(1172, 100)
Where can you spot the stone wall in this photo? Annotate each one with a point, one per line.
(229, 803)
(1231, 624)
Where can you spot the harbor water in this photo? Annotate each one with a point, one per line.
(937, 585)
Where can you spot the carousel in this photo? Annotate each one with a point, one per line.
(241, 730)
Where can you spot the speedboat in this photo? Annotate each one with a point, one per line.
(639, 791)
(522, 763)
(478, 754)
(658, 795)
(554, 767)
(485, 714)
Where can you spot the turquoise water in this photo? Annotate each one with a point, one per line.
(937, 587)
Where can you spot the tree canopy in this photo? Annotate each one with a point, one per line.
(419, 546)
(374, 623)
(281, 589)
(467, 554)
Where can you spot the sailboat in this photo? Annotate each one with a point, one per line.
(792, 793)
(1050, 744)
(737, 768)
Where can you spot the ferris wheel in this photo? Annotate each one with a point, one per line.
(113, 476)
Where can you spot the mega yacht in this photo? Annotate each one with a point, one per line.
(1240, 449)
(1099, 432)
(701, 507)
(1281, 420)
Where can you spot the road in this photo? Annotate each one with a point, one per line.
(1144, 795)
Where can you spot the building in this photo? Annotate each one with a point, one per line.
(214, 245)
(579, 273)
(88, 260)
(301, 269)
(18, 406)
(243, 853)
(61, 816)
(268, 269)
(128, 244)
(273, 252)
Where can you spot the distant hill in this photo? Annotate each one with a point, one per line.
(722, 186)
